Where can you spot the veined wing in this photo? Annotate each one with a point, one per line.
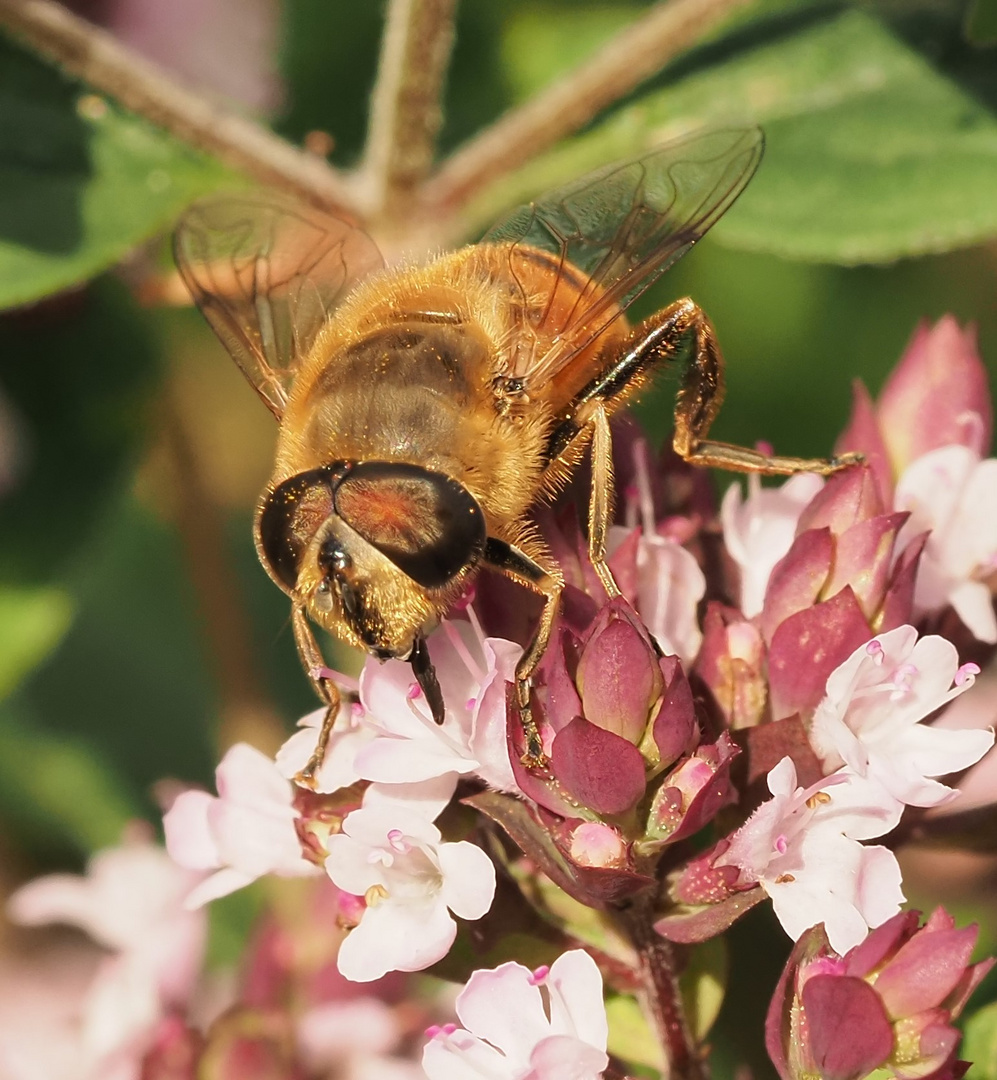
(621, 227)
(267, 273)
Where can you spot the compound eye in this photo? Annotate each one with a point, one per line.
(426, 523)
(291, 516)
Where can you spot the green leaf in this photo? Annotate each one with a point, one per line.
(32, 622)
(981, 22)
(82, 181)
(630, 1038)
(873, 151)
(980, 1043)
(536, 49)
(79, 380)
(703, 982)
(702, 985)
(55, 789)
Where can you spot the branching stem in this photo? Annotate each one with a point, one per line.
(406, 110)
(660, 996)
(98, 59)
(570, 102)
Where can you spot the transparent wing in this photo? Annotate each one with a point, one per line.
(267, 273)
(621, 226)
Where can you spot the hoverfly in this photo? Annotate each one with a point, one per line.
(424, 409)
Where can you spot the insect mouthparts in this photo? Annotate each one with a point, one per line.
(332, 558)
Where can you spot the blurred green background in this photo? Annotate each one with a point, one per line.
(138, 631)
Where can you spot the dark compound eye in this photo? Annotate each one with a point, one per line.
(292, 514)
(426, 523)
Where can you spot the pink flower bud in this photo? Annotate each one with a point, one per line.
(674, 729)
(864, 436)
(807, 647)
(888, 1003)
(618, 674)
(848, 497)
(692, 793)
(597, 767)
(936, 396)
(591, 843)
(732, 664)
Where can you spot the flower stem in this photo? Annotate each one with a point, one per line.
(99, 60)
(406, 111)
(660, 996)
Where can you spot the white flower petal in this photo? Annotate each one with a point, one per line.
(576, 1002)
(349, 865)
(468, 879)
(504, 1007)
(563, 1057)
(759, 531)
(189, 839)
(426, 799)
(461, 1056)
(221, 883)
(395, 936)
(389, 760)
(974, 604)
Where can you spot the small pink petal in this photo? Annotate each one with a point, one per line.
(849, 1032)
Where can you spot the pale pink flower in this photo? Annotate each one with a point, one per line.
(408, 746)
(759, 530)
(667, 580)
(670, 585)
(244, 833)
(81, 1017)
(411, 880)
(802, 847)
(338, 769)
(132, 903)
(42, 999)
(870, 718)
(353, 1039)
(952, 493)
(549, 1024)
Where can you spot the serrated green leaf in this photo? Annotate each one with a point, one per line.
(82, 181)
(32, 621)
(59, 789)
(980, 1043)
(873, 152)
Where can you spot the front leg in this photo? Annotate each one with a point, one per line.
(702, 394)
(656, 342)
(314, 664)
(548, 581)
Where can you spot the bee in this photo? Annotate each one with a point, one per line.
(423, 410)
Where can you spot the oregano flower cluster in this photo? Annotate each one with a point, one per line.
(752, 719)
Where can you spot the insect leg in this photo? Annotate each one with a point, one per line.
(702, 393)
(313, 662)
(601, 497)
(655, 342)
(549, 582)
